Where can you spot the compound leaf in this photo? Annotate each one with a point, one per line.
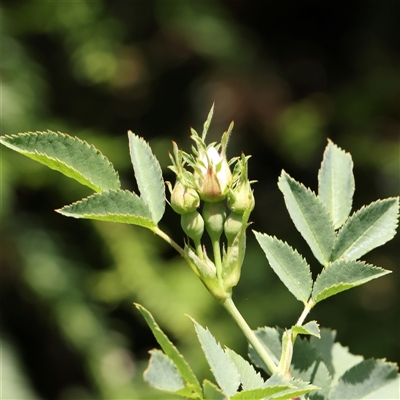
(114, 206)
(336, 183)
(310, 217)
(223, 369)
(148, 176)
(69, 155)
(288, 264)
(370, 227)
(343, 275)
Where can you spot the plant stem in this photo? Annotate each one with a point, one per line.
(217, 258)
(305, 312)
(229, 306)
(170, 241)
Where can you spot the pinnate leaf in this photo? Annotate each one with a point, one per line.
(223, 369)
(148, 176)
(336, 183)
(370, 227)
(310, 217)
(365, 380)
(342, 275)
(171, 351)
(69, 155)
(113, 206)
(289, 265)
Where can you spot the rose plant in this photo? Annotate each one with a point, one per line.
(213, 197)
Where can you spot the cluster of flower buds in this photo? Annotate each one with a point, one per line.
(210, 181)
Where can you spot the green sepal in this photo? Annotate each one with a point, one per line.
(233, 258)
(206, 271)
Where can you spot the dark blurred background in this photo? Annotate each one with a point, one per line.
(290, 73)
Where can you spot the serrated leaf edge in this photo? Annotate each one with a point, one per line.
(349, 284)
(64, 135)
(355, 215)
(297, 253)
(158, 167)
(328, 214)
(330, 142)
(86, 199)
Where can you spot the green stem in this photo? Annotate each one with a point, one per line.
(305, 312)
(170, 241)
(229, 306)
(217, 258)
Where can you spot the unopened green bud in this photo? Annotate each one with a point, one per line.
(184, 200)
(214, 215)
(241, 198)
(193, 225)
(232, 226)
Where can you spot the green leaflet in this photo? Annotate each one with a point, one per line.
(171, 351)
(212, 392)
(310, 217)
(162, 373)
(366, 379)
(114, 206)
(148, 176)
(289, 265)
(310, 328)
(336, 183)
(343, 275)
(370, 227)
(69, 155)
(259, 394)
(223, 369)
(249, 378)
(297, 387)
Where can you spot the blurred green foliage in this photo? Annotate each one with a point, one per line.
(290, 74)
